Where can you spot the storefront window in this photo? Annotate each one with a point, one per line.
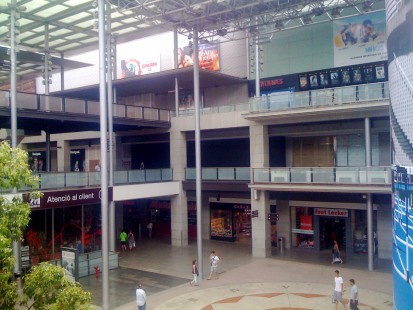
(360, 231)
(302, 227)
(221, 224)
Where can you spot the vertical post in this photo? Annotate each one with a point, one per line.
(176, 66)
(48, 152)
(53, 241)
(83, 229)
(368, 141)
(46, 67)
(257, 67)
(13, 112)
(103, 156)
(110, 128)
(370, 243)
(198, 153)
(62, 71)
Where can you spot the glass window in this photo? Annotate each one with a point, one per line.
(221, 224)
(302, 230)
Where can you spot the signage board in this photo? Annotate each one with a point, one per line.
(331, 212)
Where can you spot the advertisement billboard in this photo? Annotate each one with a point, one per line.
(139, 66)
(359, 39)
(208, 57)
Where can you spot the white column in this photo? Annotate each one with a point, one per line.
(261, 227)
(63, 156)
(179, 205)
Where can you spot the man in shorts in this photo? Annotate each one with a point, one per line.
(214, 259)
(123, 236)
(338, 290)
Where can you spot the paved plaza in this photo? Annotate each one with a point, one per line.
(296, 279)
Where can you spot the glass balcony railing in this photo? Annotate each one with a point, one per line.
(220, 174)
(56, 180)
(78, 106)
(320, 97)
(333, 175)
(311, 98)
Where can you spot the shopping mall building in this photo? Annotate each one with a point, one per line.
(295, 135)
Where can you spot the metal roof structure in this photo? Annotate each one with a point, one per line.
(72, 24)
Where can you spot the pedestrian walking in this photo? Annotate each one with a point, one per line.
(140, 297)
(354, 295)
(123, 237)
(338, 290)
(214, 259)
(195, 273)
(149, 227)
(131, 240)
(336, 254)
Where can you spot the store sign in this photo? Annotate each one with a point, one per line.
(331, 212)
(271, 82)
(67, 198)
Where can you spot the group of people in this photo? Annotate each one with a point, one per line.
(339, 289)
(127, 239)
(214, 260)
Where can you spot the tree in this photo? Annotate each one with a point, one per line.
(46, 286)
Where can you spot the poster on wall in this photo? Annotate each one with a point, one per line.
(359, 39)
(313, 80)
(357, 75)
(208, 57)
(380, 72)
(345, 76)
(37, 161)
(324, 81)
(303, 82)
(77, 160)
(70, 263)
(334, 78)
(139, 66)
(368, 74)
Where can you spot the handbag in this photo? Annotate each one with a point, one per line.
(134, 244)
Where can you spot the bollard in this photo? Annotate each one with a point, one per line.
(97, 271)
(281, 244)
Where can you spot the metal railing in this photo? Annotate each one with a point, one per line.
(311, 98)
(321, 97)
(220, 174)
(332, 175)
(54, 180)
(40, 102)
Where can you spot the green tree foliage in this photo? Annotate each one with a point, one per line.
(46, 286)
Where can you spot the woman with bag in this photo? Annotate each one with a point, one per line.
(131, 240)
(336, 254)
(195, 273)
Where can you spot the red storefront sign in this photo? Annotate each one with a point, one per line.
(331, 212)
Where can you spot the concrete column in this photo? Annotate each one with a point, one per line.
(179, 204)
(370, 245)
(261, 227)
(284, 223)
(63, 156)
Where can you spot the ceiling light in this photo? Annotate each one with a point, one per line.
(222, 32)
(307, 19)
(279, 24)
(367, 6)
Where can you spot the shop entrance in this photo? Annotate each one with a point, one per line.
(332, 229)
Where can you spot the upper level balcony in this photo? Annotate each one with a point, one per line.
(323, 179)
(365, 100)
(61, 114)
(61, 180)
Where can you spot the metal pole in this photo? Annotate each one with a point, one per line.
(83, 230)
(110, 129)
(13, 114)
(103, 156)
(370, 231)
(368, 141)
(176, 66)
(62, 71)
(53, 241)
(198, 154)
(46, 67)
(48, 152)
(257, 70)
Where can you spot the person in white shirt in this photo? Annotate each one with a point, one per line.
(214, 259)
(354, 295)
(140, 298)
(338, 290)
